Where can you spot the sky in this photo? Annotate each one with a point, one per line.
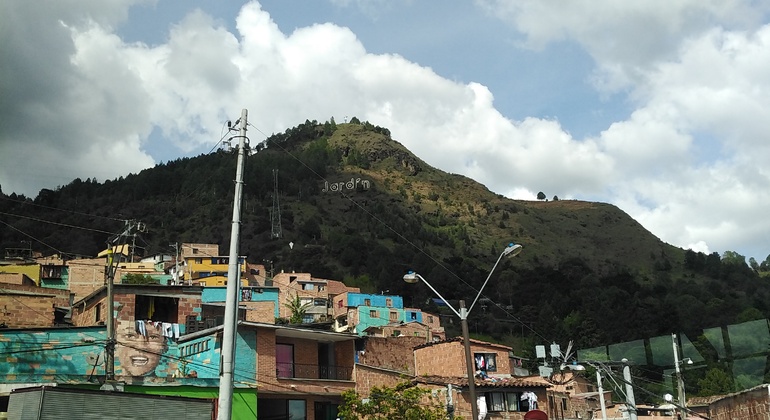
(660, 107)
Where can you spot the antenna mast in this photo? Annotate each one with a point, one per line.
(275, 214)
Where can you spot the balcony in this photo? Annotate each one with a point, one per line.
(304, 371)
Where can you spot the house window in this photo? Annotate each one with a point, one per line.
(156, 308)
(430, 319)
(297, 410)
(199, 261)
(413, 316)
(98, 312)
(340, 303)
(307, 286)
(388, 302)
(394, 316)
(367, 302)
(486, 361)
(374, 314)
(396, 333)
(505, 401)
(284, 360)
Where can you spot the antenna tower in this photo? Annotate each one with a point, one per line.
(275, 214)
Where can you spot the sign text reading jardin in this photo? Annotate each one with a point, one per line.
(353, 184)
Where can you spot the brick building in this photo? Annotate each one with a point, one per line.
(750, 404)
(29, 306)
(302, 372)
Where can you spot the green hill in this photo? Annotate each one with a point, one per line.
(357, 206)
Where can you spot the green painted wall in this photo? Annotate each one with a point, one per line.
(244, 400)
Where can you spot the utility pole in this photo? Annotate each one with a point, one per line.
(601, 394)
(225, 407)
(630, 401)
(175, 245)
(679, 381)
(116, 243)
(469, 360)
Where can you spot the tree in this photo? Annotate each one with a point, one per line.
(715, 382)
(556, 198)
(404, 402)
(298, 310)
(541, 195)
(133, 278)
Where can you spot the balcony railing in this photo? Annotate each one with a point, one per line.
(304, 371)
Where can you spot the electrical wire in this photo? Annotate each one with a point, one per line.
(32, 203)
(33, 238)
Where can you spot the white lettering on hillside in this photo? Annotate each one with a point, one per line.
(353, 184)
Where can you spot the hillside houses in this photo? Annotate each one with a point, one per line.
(168, 316)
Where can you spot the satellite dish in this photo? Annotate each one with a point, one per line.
(668, 397)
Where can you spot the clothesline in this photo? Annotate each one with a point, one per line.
(167, 329)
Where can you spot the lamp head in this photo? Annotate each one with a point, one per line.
(512, 250)
(411, 277)
(573, 366)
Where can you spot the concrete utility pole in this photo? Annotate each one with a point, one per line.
(601, 394)
(630, 401)
(225, 408)
(679, 381)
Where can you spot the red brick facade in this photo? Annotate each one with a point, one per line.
(447, 358)
(306, 353)
(752, 404)
(30, 306)
(391, 353)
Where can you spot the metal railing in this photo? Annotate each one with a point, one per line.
(305, 371)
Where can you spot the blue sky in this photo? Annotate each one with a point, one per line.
(655, 106)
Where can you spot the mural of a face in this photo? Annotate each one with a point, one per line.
(139, 354)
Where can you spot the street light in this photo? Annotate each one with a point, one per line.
(579, 367)
(411, 277)
(679, 378)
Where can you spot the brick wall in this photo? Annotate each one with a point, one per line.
(305, 351)
(448, 358)
(392, 353)
(260, 312)
(368, 377)
(16, 278)
(30, 306)
(752, 404)
(85, 276)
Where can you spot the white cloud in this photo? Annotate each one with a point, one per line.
(688, 163)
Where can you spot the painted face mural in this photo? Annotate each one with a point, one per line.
(139, 348)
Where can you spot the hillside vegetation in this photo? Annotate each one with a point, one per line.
(357, 206)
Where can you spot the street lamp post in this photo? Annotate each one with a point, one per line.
(680, 379)
(411, 277)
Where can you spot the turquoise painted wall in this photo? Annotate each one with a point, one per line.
(359, 299)
(75, 355)
(251, 294)
(366, 320)
(62, 283)
(51, 355)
